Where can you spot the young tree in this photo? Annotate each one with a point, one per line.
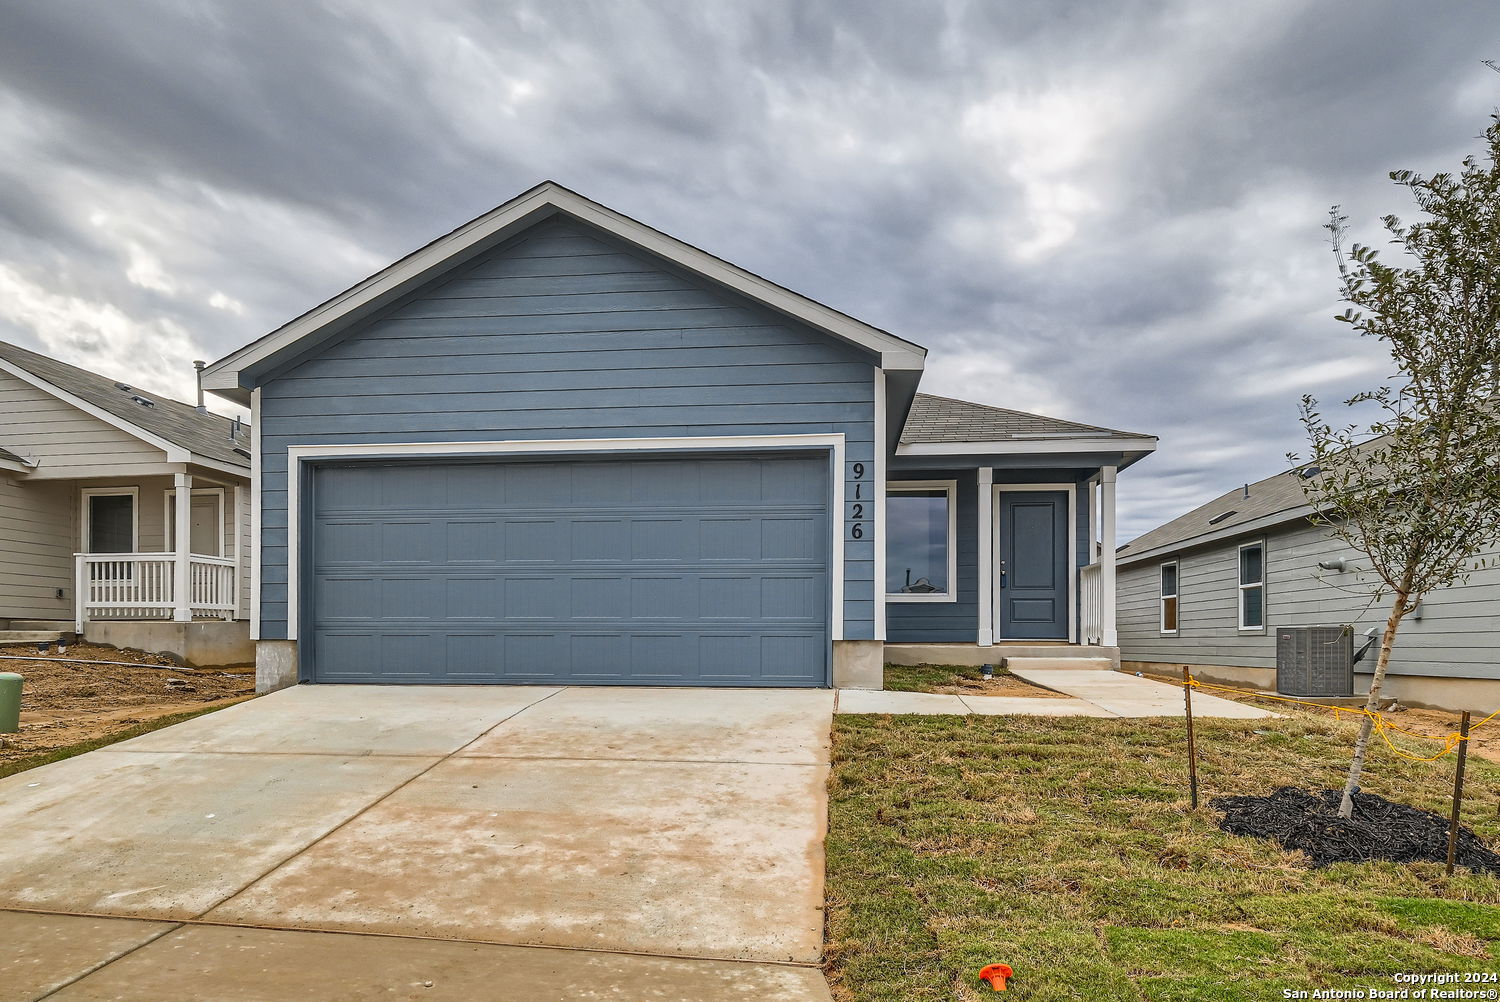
(1417, 490)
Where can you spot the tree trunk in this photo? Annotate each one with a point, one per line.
(1367, 726)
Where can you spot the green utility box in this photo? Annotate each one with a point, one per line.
(10, 702)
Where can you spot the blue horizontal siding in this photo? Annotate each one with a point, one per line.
(945, 622)
(565, 333)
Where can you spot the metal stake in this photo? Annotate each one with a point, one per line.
(1187, 698)
(1458, 788)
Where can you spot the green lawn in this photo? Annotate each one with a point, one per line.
(1065, 848)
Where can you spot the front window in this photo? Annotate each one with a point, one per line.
(920, 548)
(1169, 597)
(110, 524)
(1253, 586)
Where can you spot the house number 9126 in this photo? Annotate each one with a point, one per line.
(858, 503)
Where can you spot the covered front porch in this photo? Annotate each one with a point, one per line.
(133, 563)
(1000, 538)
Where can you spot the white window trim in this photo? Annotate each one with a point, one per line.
(297, 455)
(169, 524)
(896, 487)
(1161, 597)
(1241, 587)
(87, 493)
(999, 490)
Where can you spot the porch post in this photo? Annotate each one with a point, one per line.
(1111, 637)
(182, 532)
(234, 551)
(986, 556)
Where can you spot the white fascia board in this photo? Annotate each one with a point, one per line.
(1028, 447)
(16, 466)
(498, 224)
(175, 453)
(1228, 532)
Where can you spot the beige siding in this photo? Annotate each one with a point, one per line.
(36, 549)
(1457, 636)
(63, 440)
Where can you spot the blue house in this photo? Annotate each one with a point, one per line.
(559, 446)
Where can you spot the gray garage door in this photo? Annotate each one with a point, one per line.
(646, 571)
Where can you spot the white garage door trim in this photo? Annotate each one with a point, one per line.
(297, 455)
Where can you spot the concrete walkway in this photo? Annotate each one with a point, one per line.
(1096, 693)
(442, 843)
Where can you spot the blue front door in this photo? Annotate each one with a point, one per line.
(1033, 574)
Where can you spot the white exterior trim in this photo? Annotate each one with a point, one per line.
(950, 594)
(1161, 597)
(877, 506)
(1027, 447)
(499, 224)
(986, 550)
(169, 524)
(1072, 529)
(299, 454)
(175, 453)
(1240, 587)
(255, 489)
(86, 493)
(17, 465)
(1108, 572)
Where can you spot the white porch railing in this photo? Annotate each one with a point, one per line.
(1091, 602)
(141, 586)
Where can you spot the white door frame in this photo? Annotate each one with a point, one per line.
(1071, 490)
(169, 522)
(298, 455)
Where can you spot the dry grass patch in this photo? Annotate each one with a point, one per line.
(1065, 847)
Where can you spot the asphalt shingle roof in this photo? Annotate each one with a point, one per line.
(204, 435)
(943, 419)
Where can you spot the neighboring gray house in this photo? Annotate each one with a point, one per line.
(557, 445)
(94, 476)
(1209, 589)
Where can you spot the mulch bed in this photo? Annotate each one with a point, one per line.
(1380, 829)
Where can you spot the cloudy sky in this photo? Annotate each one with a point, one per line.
(1105, 211)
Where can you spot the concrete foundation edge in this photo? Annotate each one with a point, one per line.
(1424, 691)
(275, 664)
(205, 644)
(859, 664)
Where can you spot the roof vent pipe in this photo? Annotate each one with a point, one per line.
(1247, 486)
(198, 365)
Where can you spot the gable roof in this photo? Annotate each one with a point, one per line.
(204, 436)
(944, 419)
(234, 375)
(1271, 501)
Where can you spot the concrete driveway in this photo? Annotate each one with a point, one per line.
(349, 842)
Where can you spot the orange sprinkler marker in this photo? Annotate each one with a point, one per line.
(996, 975)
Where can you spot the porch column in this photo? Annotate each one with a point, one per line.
(986, 556)
(1107, 556)
(182, 532)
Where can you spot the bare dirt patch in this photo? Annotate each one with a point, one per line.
(1000, 685)
(79, 699)
(1483, 743)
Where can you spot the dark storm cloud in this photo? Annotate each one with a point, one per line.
(1110, 212)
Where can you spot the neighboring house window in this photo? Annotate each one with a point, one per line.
(1253, 586)
(921, 547)
(1169, 597)
(109, 521)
